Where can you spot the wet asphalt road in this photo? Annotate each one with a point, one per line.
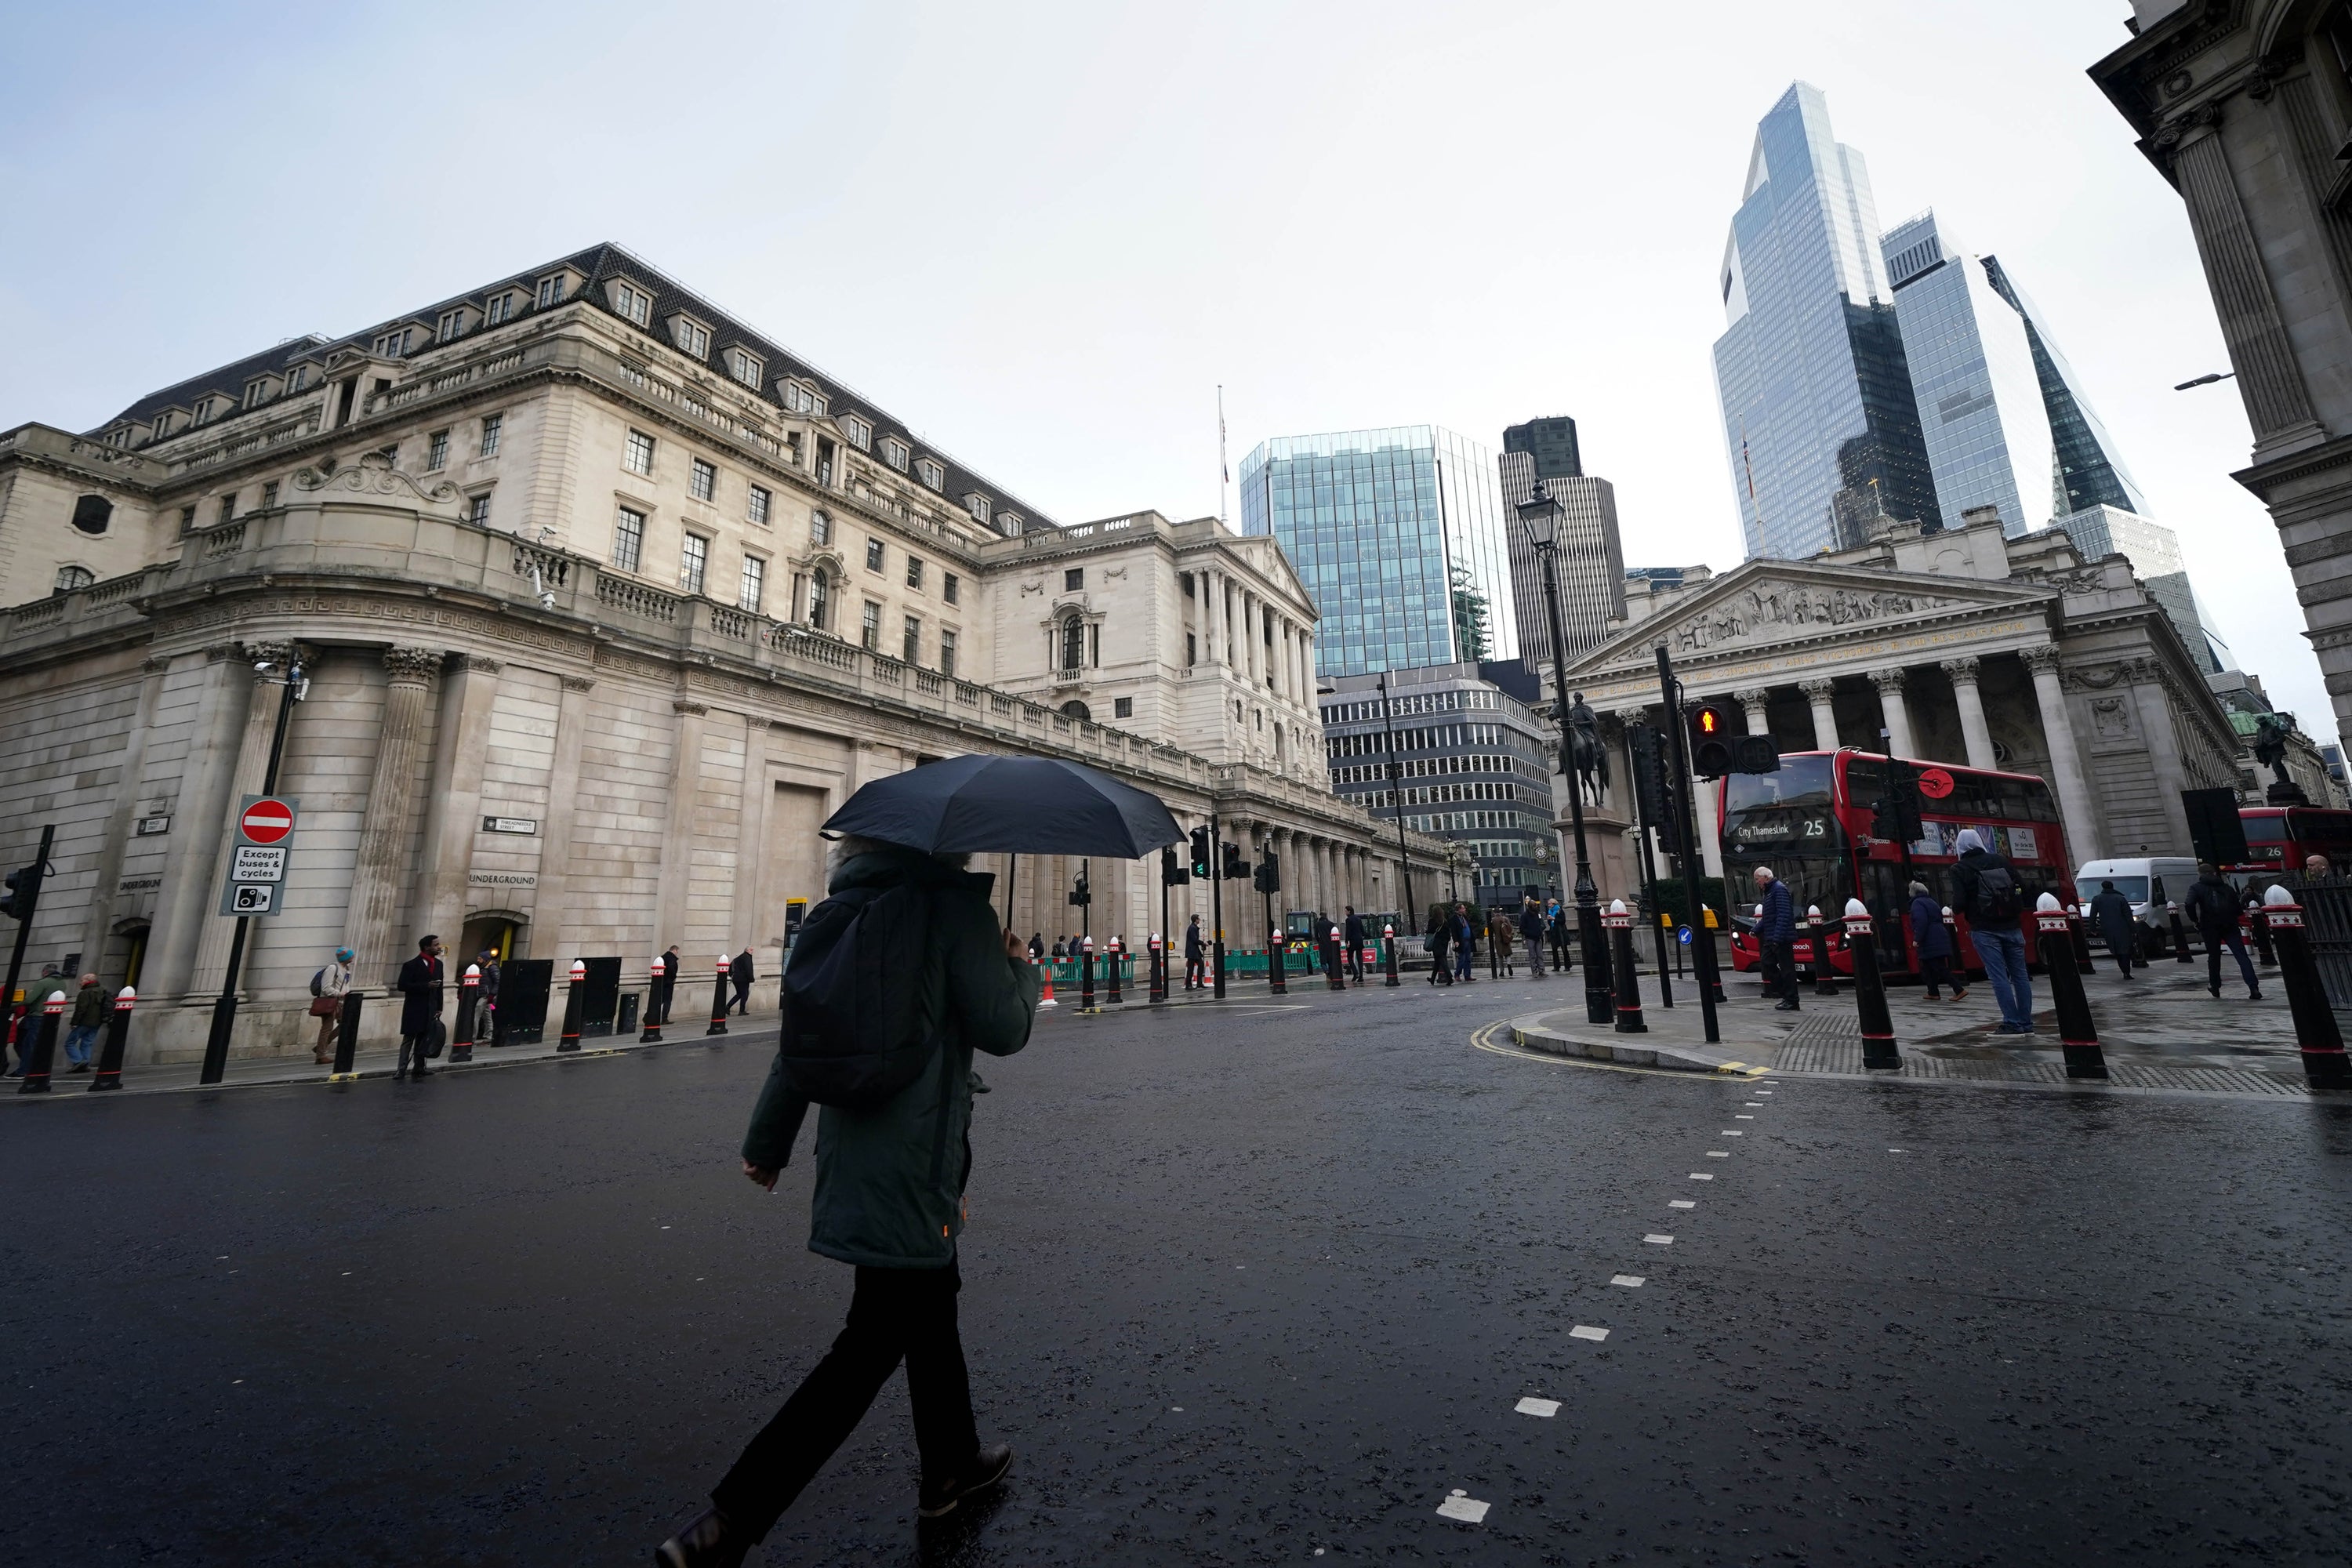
(1241, 1286)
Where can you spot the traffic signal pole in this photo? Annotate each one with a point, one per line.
(1216, 910)
(27, 888)
(1702, 939)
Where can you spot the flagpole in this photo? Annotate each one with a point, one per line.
(1225, 471)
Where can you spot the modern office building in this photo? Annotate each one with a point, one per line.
(2154, 552)
(1474, 763)
(1818, 416)
(1592, 563)
(1400, 534)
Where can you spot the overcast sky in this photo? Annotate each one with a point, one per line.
(1044, 234)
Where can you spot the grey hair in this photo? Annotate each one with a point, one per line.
(1918, 890)
(1766, 871)
(849, 845)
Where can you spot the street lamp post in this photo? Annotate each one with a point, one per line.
(1396, 795)
(1541, 516)
(297, 686)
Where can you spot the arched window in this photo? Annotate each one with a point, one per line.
(1076, 709)
(1074, 642)
(72, 577)
(820, 598)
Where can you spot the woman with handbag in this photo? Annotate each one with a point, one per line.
(327, 989)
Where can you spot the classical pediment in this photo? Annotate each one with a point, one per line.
(1768, 602)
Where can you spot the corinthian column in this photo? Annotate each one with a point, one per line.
(2065, 760)
(1898, 716)
(1817, 692)
(380, 871)
(1973, 729)
(1755, 703)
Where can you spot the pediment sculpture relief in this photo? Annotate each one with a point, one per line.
(1771, 609)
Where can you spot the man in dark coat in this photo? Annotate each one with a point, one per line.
(1465, 943)
(1986, 891)
(1934, 941)
(738, 975)
(888, 1201)
(1775, 937)
(669, 980)
(2213, 903)
(420, 1006)
(1196, 957)
(2112, 913)
(1354, 932)
(1441, 944)
(1531, 935)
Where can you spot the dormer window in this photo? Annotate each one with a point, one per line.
(1009, 524)
(297, 379)
(896, 453)
(451, 325)
(632, 303)
(257, 391)
(796, 398)
(978, 506)
(745, 368)
(163, 425)
(393, 344)
(203, 411)
(498, 307)
(930, 473)
(859, 432)
(690, 336)
(551, 291)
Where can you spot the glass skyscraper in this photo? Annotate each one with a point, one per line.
(1399, 534)
(1818, 416)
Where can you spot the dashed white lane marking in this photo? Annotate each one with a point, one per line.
(1753, 1104)
(1464, 1507)
(1584, 1331)
(1718, 1153)
(1763, 1091)
(1894, 1150)
(1731, 1132)
(1741, 1116)
(1532, 1407)
(1681, 1203)
(1656, 1240)
(1631, 1281)
(1702, 1175)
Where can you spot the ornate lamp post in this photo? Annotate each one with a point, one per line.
(1579, 736)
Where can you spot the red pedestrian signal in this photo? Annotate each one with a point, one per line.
(1710, 742)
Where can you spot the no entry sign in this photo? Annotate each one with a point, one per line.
(265, 820)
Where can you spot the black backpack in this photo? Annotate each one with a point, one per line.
(1997, 896)
(851, 1035)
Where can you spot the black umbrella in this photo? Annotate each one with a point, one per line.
(1017, 805)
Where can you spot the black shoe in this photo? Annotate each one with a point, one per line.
(2251, 997)
(710, 1542)
(84, 1067)
(2217, 992)
(420, 1071)
(1785, 1007)
(987, 1469)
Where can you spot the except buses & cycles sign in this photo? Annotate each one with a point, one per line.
(257, 857)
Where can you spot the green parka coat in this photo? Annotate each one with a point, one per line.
(889, 1181)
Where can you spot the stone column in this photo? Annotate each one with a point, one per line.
(552, 922)
(678, 837)
(1896, 713)
(1817, 692)
(2163, 745)
(2065, 760)
(1963, 672)
(453, 807)
(1754, 702)
(201, 816)
(380, 871)
(251, 769)
(129, 786)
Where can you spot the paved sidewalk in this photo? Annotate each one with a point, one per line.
(2160, 1030)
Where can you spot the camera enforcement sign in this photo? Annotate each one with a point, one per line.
(256, 868)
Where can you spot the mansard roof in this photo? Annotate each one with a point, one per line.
(600, 263)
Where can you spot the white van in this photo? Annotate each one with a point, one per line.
(2150, 883)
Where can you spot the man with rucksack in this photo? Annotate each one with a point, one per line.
(2213, 907)
(327, 988)
(896, 979)
(1993, 900)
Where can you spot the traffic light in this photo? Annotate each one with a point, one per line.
(1755, 754)
(1269, 873)
(1083, 895)
(1710, 742)
(1237, 869)
(1173, 873)
(1895, 815)
(1200, 852)
(1652, 788)
(24, 891)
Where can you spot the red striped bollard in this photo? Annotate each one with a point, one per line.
(719, 999)
(1111, 976)
(651, 1034)
(1333, 980)
(1157, 982)
(2315, 1032)
(118, 1035)
(1879, 1048)
(1388, 935)
(2078, 935)
(1619, 925)
(45, 1047)
(2053, 924)
(570, 1039)
(469, 995)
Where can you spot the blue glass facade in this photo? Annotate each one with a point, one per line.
(1818, 417)
(1399, 534)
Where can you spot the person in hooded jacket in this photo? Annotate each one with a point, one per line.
(1986, 890)
(1934, 943)
(2213, 903)
(888, 1201)
(2112, 913)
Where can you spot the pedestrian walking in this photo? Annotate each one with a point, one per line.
(1196, 957)
(486, 1025)
(738, 975)
(2213, 904)
(2118, 928)
(1501, 941)
(1037, 944)
(28, 1023)
(82, 1024)
(1562, 957)
(1058, 953)
(1531, 932)
(1775, 937)
(669, 979)
(1465, 943)
(1933, 941)
(420, 1008)
(327, 988)
(1353, 931)
(889, 1202)
(1440, 942)
(1987, 890)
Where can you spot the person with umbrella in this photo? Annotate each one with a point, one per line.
(891, 1164)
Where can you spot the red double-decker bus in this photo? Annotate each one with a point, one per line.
(2279, 838)
(1811, 821)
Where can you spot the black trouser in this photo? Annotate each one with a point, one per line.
(1356, 962)
(1779, 967)
(407, 1044)
(2235, 940)
(1935, 968)
(743, 996)
(1196, 970)
(896, 1313)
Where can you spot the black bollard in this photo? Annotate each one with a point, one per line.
(652, 1033)
(469, 991)
(1620, 926)
(2077, 1032)
(45, 1047)
(118, 1035)
(1086, 975)
(1388, 935)
(1333, 979)
(1878, 1049)
(2258, 925)
(1277, 977)
(719, 1000)
(569, 1040)
(2179, 936)
(1159, 974)
(1818, 944)
(2079, 934)
(1110, 977)
(347, 1035)
(2315, 1031)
